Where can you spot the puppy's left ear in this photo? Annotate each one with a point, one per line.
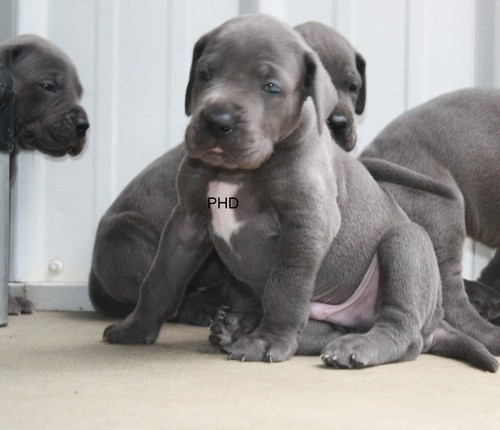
(319, 86)
(361, 100)
(198, 49)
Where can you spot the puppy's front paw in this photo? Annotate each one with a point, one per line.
(263, 347)
(351, 351)
(130, 331)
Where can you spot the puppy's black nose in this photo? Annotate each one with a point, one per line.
(81, 125)
(219, 122)
(338, 122)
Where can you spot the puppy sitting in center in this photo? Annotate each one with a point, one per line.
(311, 224)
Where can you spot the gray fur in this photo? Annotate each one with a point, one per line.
(48, 115)
(130, 229)
(311, 218)
(455, 139)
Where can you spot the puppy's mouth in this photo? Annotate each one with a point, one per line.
(217, 150)
(246, 158)
(217, 156)
(56, 140)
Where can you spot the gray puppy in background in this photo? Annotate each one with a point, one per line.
(455, 139)
(347, 69)
(128, 233)
(48, 116)
(314, 236)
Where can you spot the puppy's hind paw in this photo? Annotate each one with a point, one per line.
(227, 328)
(20, 305)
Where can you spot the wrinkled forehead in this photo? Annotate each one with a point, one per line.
(44, 64)
(251, 47)
(335, 52)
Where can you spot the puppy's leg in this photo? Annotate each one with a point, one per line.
(184, 245)
(449, 342)
(124, 249)
(228, 328)
(316, 335)
(445, 224)
(409, 283)
(459, 311)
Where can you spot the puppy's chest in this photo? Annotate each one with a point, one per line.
(241, 229)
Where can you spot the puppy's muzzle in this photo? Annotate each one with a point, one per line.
(338, 123)
(219, 122)
(342, 129)
(81, 125)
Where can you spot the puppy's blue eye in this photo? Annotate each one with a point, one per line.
(272, 88)
(204, 75)
(353, 87)
(48, 86)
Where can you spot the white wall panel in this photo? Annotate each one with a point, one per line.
(441, 47)
(378, 33)
(133, 59)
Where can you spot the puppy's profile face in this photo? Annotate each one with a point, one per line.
(248, 82)
(47, 90)
(346, 68)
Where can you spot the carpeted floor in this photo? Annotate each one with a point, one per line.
(56, 373)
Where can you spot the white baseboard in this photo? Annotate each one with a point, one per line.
(52, 296)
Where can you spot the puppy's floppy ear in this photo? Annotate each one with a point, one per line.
(319, 86)
(198, 49)
(10, 53)
(361, 100)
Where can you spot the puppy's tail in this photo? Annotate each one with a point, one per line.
(449, 342)
(387, 171)
(103, 302)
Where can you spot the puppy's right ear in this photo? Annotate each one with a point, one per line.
(361, 100)
(199, 47)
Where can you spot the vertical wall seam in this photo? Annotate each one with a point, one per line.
(406, 92)
(115, 98)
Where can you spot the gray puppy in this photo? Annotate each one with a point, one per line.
(347, 69)
(454, 139)
(130, 229)
(48, 117)
(311, 231)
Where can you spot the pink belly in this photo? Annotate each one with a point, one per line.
(359, 310)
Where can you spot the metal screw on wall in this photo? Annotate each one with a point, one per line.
(56, 266)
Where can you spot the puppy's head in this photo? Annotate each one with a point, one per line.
(346, 68)
(248, 82)
(47, 91)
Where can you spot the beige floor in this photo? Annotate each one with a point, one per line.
(55, 373)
